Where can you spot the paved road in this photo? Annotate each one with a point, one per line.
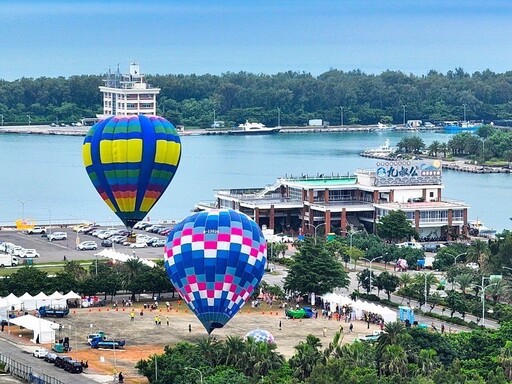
(40, 367)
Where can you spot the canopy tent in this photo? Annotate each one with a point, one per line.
(72, 295)
(44, 330)
(122, 257)
(13, 302)
(359, 307)
(57, 299)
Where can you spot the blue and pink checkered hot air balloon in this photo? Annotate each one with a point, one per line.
(131, 160)
(215, 260)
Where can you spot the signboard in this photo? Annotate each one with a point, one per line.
(408, 172)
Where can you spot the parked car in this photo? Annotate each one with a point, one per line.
(36, 230)
(28, 253)
(57, 236)
(107, 243)
(50, 357)
(138, 244)
(141, 225)
(118, 239)
(61, 360)
(87, 246)
(165, 231)
(90, 229)
(158, 243)
(40, 353)
(16, 250)
(73, 366)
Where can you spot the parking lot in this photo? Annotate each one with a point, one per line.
(53, 251)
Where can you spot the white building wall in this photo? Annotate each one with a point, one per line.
(403, 195)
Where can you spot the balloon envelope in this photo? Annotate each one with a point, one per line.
(260, 335)
(131, 160)
(215, 260)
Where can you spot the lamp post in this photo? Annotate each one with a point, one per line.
(200, 373)
(351, 233)
(456, 257)
(50, 218)
(29, 120)
(22, 209)
(315, 227)
(426, 291)
(341, 115)
(484, 287)
(76, 341)
(371, 261)
(483, 145)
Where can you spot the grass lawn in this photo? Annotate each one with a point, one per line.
(50, 268)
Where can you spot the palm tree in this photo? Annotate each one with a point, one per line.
(443, 147)
(233, 350)
(505, 358)
(133, 268)
(358, 354)
(433, 148)
(478, 253)
(394, 360)
(431, 279)
(427, 361)
(210, 350)
(334, 347)
(464, 280)
(392, 332)
(306, 356)
(405, 278)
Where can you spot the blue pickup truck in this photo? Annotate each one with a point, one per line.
(50, 311)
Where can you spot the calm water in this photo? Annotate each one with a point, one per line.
(43, 174)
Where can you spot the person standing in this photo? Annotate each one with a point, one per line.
(120, 378)
(351, 327)
(167, 320)
(189, 328)
(132, 315)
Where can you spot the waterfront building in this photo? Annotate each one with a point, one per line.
(128, 94)
(345, 202)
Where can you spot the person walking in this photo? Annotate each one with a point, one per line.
(351, 327)
(167, 320)
(279, 325)
(132, 315)
(189, 328)
(120, 378)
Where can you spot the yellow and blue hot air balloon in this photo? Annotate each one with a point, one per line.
(131, 160)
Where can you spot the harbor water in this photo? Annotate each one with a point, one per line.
(43, 177)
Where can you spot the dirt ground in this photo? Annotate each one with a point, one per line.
(144, 338)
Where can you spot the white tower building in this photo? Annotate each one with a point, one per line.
(128, 94)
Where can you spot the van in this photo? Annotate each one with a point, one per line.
(409, 244)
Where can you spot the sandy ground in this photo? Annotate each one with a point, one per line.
(144, 338)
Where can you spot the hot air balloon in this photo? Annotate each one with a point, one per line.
(131, 160)
(215, 260)
(260, 336)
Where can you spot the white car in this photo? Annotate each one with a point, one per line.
(36, 230)
(16, 250)
(138, 244)
(87, 246)
(57, 236)
(29, 253)
(40, 353)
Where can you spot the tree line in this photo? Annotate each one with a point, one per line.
(351, 96)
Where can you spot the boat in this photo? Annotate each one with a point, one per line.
(461, 126)
(477, 228)
(253, 129)
(381, 151)
(384, 128)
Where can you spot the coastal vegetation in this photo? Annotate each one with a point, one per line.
(353, 96)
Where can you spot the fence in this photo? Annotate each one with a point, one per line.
(24, 372)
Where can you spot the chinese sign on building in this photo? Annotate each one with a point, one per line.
(413, 172)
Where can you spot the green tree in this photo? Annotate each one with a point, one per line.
(395, 227)
(314, 270)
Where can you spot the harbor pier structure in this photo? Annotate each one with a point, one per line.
(343, 202)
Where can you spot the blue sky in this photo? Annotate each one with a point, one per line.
(52, 38)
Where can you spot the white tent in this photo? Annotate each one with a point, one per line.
(57, 299)
(27, 302)
(122, 257)
(44, 330)
(41, 300)
(72, 295)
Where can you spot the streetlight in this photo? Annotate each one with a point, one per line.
(456, 257)
(351, 233)
(76, 341)
(29, 121)
(315, 227)
(200, 373)
(371, 261)
(22, 209)
(341, 115)
(483, 288)
(483, 144)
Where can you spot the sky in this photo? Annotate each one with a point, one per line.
(76, 37)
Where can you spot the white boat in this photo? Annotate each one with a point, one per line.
(253, 129)
(477, 228)
(381, 151)
(383, 128)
